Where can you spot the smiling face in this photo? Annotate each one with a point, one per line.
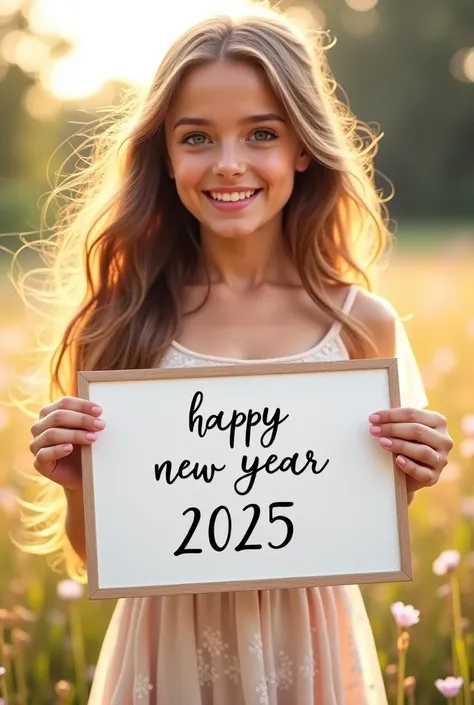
(232, 151)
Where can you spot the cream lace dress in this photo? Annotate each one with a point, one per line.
(274, 647)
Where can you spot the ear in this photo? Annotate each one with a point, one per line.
(302, 161)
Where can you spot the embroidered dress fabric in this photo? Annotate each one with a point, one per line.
(273, 647)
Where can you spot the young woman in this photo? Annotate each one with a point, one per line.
(230, 218)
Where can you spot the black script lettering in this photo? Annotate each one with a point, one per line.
(250, 474)
(206, 472)
(273, 425)
(193, 409)
(313, 463)
(245, 483)
(254, 418)
(251, 419)
(289, 463)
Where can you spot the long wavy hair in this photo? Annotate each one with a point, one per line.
(124, 247)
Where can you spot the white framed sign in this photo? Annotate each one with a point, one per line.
(255, 476)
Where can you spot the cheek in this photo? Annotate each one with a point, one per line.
(189, 172)
(187, 177)
(278, 169)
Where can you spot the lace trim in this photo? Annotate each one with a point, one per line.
(333, 350)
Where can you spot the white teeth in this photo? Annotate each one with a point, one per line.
(234, 196)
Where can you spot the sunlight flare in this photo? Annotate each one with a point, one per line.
(110, 43)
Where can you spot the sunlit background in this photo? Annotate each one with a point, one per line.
(74, 50)
(408, 69)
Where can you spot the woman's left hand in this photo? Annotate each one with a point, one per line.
(420, 440)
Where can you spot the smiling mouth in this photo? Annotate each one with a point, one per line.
(231, 201)
(231, 196)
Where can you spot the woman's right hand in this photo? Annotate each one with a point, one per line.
(58, 434)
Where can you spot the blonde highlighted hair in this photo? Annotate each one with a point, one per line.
(123, 247)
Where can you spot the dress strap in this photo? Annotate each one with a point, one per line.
(349, 300)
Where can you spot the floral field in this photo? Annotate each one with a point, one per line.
(50, 634)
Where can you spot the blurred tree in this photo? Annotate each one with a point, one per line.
(395, 62)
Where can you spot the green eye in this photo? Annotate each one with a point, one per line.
(264, 135)
(196, 139)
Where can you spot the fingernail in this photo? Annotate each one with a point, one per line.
(387, 442)
(91, 436)
(401, 460)
(99, 424)
(374, 418)
(96, 410)
(375, 429)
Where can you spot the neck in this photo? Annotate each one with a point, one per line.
(246, 262)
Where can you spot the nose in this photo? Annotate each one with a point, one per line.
(229, 161)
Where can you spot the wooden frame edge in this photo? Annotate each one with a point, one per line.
(401, 497)
(89, 501)
(239, 370)
(244, 585)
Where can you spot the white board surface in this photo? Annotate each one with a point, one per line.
(332, 502)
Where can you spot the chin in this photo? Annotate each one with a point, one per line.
(232, 231)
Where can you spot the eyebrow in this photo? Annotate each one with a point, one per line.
(265, 117)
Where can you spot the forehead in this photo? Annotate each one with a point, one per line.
(223, 90)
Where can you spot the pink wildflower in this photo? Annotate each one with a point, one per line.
(449, 687)
(405, 615)
(69, 590)
(2, 671)
(446, 562)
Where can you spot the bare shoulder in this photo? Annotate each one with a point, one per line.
(379, 317)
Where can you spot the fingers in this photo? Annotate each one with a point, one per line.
(422, 476)
(424, 417)
(419, 452)
(48, 463)
(83, 406)
(66, 422)
(61, 436)
(65, 418)
(407, 431)
(419, 440)
(45, 458)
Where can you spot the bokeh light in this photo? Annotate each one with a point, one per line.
(9, 45)
(41, 104)
(462, 64)
(468, 64)
(362, 5)
(9, 7)
(117, 46)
